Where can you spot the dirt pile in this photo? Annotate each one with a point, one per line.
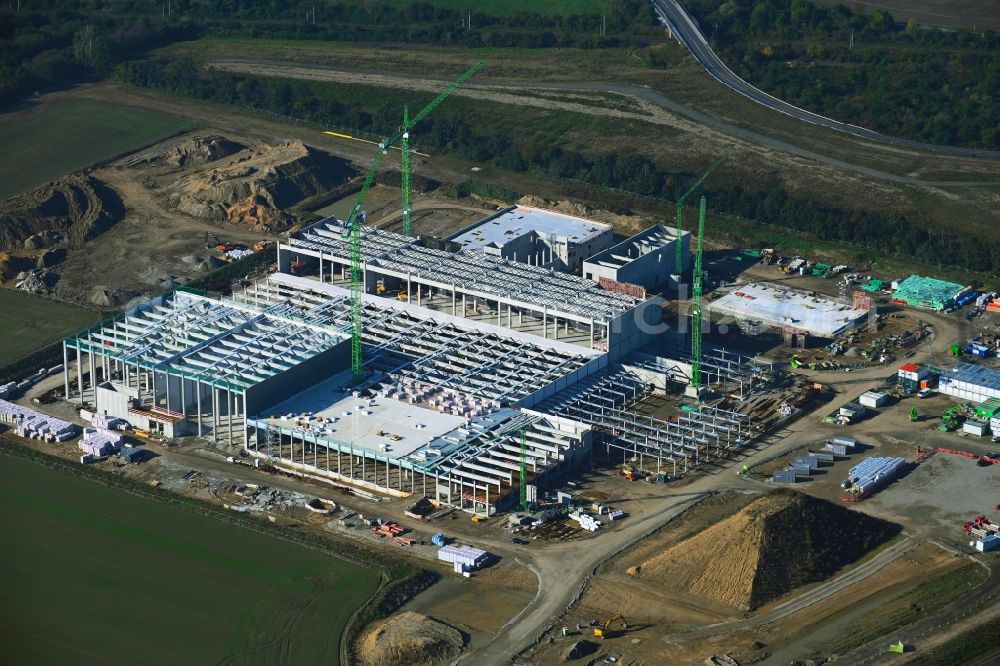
(772, 546)
(410, 638)
(73, 209)
(255, 187)
(196, 150)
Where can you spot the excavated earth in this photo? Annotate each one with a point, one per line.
(253, 187)
(775, 544)
(410, 638)
(73, 209)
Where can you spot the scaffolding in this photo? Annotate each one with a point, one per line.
(604, 401)
(472, 272)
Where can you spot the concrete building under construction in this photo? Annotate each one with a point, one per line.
(475, 366)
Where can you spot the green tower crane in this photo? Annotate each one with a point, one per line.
(405, 136)
(524, 472)
(696, 304)
(352, 225)
(405, 160)
(680, 211)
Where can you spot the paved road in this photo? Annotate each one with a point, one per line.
(686, 31)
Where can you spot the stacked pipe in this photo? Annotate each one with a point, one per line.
(871, 474)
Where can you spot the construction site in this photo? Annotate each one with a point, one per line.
(526, 384)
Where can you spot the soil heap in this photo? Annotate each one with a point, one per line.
(77, 208)
(772, 546)
(255, 187)
(410, 638)
(196, 150)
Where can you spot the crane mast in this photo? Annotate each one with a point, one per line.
(352, 225)
(680, 212)
(696, 305)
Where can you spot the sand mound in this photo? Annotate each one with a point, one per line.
(198, 151)
(254, 188)
(770, 547)
(410, 638)
(75, 208)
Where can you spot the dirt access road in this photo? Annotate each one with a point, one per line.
(564, 570)
(653, 106)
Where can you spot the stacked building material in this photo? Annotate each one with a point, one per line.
(927, 293)
(465, 557)
(29, 423)
(586, 521)
(7, 390)
(100, 442)
(616, 514)
(101, 420)
(872, 474)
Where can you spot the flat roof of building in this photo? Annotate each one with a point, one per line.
(361, 420)
(498, 229)
(975, 374)
(644, 242)
(224, 343)
(778, 306)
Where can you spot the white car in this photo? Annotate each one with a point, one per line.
(924, 393)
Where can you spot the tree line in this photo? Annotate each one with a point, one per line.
(937, 86)
(50, 42)
(475, 137)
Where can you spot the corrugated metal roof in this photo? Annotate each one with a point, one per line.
(975, 374)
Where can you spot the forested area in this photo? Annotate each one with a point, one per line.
(49, 42)
(478, 138)
(933, 85)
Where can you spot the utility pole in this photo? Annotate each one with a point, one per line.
(852, 40)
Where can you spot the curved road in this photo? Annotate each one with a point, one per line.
(686, 31)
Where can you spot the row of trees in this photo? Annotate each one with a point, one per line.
(938, 86)
(460, 131)
(49, 42)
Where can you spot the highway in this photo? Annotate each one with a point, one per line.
(685, 30)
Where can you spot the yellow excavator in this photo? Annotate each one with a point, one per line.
(605, 630)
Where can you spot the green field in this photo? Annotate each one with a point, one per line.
(547, 7)
(42, 145)
(93, 574)
(28, 322)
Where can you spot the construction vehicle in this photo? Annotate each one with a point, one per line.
(403, 296)
(380, 287)
(262, 245)
(914, 415)
(767, 256)
(212, 241)
(605, 630)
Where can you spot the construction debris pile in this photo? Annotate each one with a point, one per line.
(756, 555)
